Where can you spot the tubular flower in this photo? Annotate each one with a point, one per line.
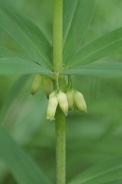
(47, 84)
(36, 83)
(70, 98)
(63, 103)
(52, 105)
(52, 94)
(79, 101)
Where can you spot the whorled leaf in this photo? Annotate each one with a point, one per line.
(103, 46)
(97, 69)
(25, 33)
(13, 63)
(77, 16)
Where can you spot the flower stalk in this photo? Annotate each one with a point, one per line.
(57, 34)
(57, 67)
(60, 147)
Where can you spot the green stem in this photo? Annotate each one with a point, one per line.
(57, 34)
(60, 147)
(57, 66)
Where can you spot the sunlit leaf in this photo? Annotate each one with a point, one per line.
(25, 33)
(105, 45)
(77, 16)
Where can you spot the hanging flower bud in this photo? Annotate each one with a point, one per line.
(52, 105)
(53, 94)
(47, 84)
(70, 98)
(79, 101)
(36, 83)
(63, 103)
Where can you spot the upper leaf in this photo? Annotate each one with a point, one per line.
(105, 45)
(13, 63)
(77, 16)
(97, 69)
(25, 33)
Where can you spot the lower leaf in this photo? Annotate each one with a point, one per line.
(23, 168)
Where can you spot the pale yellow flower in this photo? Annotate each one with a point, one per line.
(52, 105)
(63, 103)
(70, 98)
(79, 101)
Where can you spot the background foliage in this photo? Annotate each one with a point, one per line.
(91, 138)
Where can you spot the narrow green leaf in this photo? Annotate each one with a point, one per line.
(77, 16)
(20, 66)
(104, 172)
(14, 92)
(13, 63)
(105, 45)
(97, 69)
(69, 11)
(23, 168)
(25, 33)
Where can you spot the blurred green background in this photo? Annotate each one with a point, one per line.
(91, 137)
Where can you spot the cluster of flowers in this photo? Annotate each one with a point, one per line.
(66, 101)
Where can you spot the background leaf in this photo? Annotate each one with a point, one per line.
(25, 34)
(105, 45)
(77, 16)
(92, 137)
(105, 172)
(21, 165)
(16, 89)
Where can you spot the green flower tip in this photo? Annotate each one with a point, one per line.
(36, 83)
(70, 98)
